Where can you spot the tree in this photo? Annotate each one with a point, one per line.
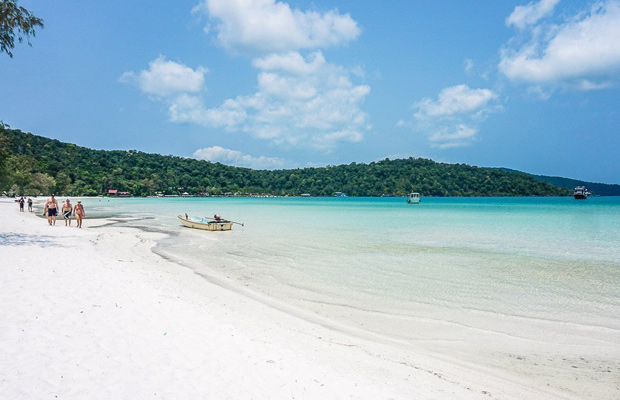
(79, 171)
(63, 184)
(19, 169)
(4, 156)
(40, 183)
(16, 20)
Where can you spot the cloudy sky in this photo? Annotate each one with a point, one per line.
(533, 86)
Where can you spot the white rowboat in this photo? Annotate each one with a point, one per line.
(205, 224)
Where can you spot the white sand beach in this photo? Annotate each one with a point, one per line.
(92, 313)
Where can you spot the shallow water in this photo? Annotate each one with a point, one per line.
(450, 270)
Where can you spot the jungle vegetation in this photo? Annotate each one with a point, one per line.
(33, 165)
(596, 188)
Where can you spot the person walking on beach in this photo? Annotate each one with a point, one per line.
(29, 204)
(51, 207)
(79, 213)
(66, 212)
(21, 204)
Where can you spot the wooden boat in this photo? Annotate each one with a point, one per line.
(206, 224)
(414, 198)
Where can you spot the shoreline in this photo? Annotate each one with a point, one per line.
(97, 313)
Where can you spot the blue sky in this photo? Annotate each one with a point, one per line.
(533, 86)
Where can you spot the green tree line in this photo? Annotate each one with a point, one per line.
(32, 165)
(597, 188)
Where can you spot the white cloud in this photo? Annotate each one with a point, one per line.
(524, 16)
(586, 84)
(458, 135)
(286, 86)
(300, 103)
(165, 78)
(271, 26)
(190, 109)
(453, 119)
(291, 62)
(234, 157)
(458, 99)
(584, 48)
(330, 140)
(402, 123)
(469, 65)
(539, 92)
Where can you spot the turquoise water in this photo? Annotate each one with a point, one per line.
(450, 270)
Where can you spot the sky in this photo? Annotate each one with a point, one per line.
(532, 86)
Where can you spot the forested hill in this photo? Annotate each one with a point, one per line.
(601, 189)
(31, 164)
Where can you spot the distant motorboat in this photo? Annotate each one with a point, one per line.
(413, 198)
(581, 193)
(207, 224)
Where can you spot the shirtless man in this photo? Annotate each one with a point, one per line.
(51, 206)
(67, 208)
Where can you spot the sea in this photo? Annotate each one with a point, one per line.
(482, 277)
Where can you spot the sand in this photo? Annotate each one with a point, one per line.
(93, 313)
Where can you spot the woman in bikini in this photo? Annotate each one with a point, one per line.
(66, 212)
(79, 213)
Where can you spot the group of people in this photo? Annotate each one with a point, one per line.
(52, 208)
(22, 202)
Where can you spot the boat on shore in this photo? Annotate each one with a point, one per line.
(413, 198)
(207, 224)
(581, 193)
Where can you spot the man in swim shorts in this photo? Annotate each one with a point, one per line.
(51, 206)
(67, 208)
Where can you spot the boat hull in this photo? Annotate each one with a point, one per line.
(580, 193)
(206, 226)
